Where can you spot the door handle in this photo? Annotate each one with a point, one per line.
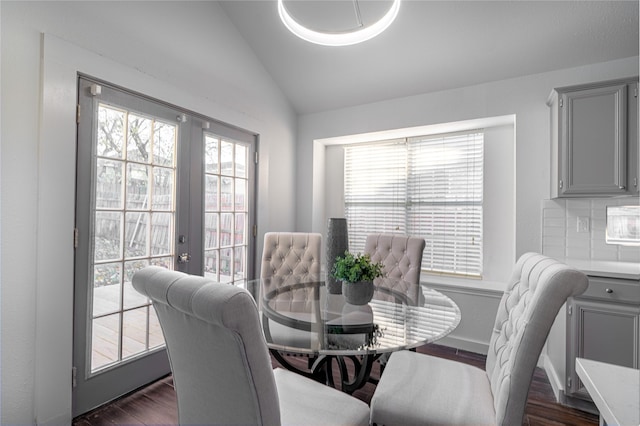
(184, 258)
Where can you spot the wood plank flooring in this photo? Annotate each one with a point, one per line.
(156, 404)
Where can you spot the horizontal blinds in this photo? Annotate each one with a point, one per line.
(375, 190)
(445, 187)
(429, 186)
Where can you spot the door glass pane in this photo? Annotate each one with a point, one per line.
(133, 227)
(211, 193)
(138, 139)
(226, 158)
(134, 332)
(137, 186)
(226, 265)
(211, 267)
(240, 229)
(164, 145)
(162, 194)
(107, 235)
(226, 194)
(211, 161)
(240, 195)
(106, 291)
(136, 232)
(226, 208)
(210, 230)
(241, 161)
(161, 231)
(110, 138)
(239, 258)
(109, 188)
(105, 341)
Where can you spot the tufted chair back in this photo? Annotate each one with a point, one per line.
(291, 253)
(539, 286)
(221, 368)
(401, 256)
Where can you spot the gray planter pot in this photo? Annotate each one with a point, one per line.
(358, 293)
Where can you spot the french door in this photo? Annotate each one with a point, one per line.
(155, 186)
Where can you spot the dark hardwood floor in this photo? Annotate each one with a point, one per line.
(156, 404)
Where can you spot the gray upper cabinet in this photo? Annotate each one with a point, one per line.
(594, 135)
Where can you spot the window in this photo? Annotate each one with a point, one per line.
(429, 186)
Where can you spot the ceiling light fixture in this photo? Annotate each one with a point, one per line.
(339, 38)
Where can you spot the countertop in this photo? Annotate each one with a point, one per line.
(607, 269)
(614, 389)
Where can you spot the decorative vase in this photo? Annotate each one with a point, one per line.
(358, 293)
(337, 244)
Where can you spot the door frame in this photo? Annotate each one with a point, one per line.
(156, 362)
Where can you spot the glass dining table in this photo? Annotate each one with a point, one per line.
(300, 317)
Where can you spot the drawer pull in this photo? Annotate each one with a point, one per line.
(609, 291)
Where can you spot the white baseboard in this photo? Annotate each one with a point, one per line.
(464, 344)
(557, 384)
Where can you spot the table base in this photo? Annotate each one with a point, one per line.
(321, 369)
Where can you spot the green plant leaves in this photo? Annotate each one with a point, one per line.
(353, 268)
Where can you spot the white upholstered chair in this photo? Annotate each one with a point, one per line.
(289, 258)
(291, 254)
(401, 257)
(418, 389)
(221, 367)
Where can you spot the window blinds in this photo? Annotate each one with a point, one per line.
(428, 186)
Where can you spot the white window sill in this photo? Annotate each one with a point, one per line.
(462, 283)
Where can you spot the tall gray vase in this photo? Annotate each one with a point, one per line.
(337, 244)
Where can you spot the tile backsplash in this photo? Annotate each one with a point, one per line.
(575, 229)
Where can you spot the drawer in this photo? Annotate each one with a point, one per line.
(613, 290)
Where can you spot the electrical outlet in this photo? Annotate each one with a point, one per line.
(582, 224)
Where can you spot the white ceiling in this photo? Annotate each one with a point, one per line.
(437, 45)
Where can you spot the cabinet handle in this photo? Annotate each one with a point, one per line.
(622, 187)
(608, 290)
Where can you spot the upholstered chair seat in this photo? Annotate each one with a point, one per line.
(221, 368)
(417, 389)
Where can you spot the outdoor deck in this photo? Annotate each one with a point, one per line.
(118, 336)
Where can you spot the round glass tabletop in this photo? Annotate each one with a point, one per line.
(300, 316)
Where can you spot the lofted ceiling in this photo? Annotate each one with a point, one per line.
(432, 46)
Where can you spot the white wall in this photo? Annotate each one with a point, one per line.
(220, 78)
(524, 97)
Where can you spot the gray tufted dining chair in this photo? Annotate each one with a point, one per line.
(401, 257)
(221, 368)
(290, 258)
(291, 254)
(418, 389)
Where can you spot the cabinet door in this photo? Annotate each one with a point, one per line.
(601, 331)
(594, 141)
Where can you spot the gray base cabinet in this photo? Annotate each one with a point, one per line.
(603, 325)
(594, 135)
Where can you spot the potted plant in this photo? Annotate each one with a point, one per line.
(357, 272)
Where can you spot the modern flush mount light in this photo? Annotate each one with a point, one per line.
(346, 38)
